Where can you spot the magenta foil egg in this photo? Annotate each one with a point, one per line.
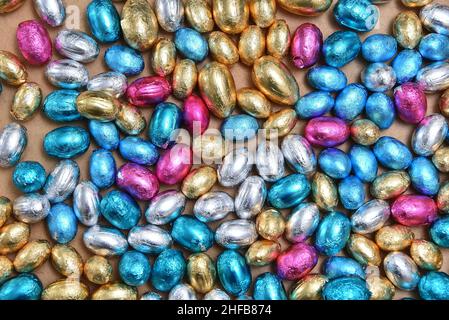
(34, 42)
(195, 115)
(327, 131)
(148, 91)
(306, 45)
(296, 262)
(411, 102)
(414, 210)
(174, 164)
(138, 181)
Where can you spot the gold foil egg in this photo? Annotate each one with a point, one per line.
(199, 15)
(254, 103)
(364, 250)
(251, 45)
(11, 69)
(139, 24)
(231, 16)
(407, 29)
(10, 5)
(130, 120)
(98, 270)
(13, 237)
(390, 184)
(32, 255)
(65, 289)
(415, 3)
(394, 238)
(444, 103)
(308, 8)
(380, 287)
(201, 272)
(426, 255)
(441, 159)
(222, 48)
(308, 288)
(115, 291)
(6, 268)
(263, 12)
(5, 210)
(280, 123)
(275, 81)
(185, 77)
(97, 105)
(270, 224)
(217, 89)
(364, 132)
(443, 198)
(26, 101)
(67, 261)
(199, 181)
(262, 253)
(163, 59)
(324, 192)
(210, 146)
(278, 39)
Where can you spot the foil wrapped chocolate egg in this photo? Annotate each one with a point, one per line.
(326, 78)
(60, 106)
(394, 237)
(346, 288)
(269, 161)
(134, 268)
(98, 270)
(105, 241)
(332, 233)
(32, 256)
(86, 203)
(314, 104)
(201, 272)
(231, 16)
(411, 102)
(401, 270)
(13, 141)
(434, 77)
(378, 77)
(233, 272)
(390, 184)
(185, 77)
(324, 191)
(174, 165)
(130, 120)
(306, 45)
(341, 47)
(34, 42)
(25, 286)
(102, 168)
(392, 153)
(31, 208)
(182, 291)
(123, 59)
(138, 181)
(434, 18)
(52, 12)
(370, 217)
(279, 123)
(67, 261)
(302, 222)
(278, 39)
(250, 197)
(269, 286)
(165, 207)
(235, 167)
(13, 237)
(381, 288)
(115, 83)
(163, 60)
(27, 100)
(11, 69)
(170, 14)
(76, 45)
(407, 29)
(263, 12)
(5, 210)
(289, 191)
(235, 234)
(104, 21)
(62, 223)
(199, 15)
(270, 224)
(198, 182)
(426, 255)
(168, 270)
(213, 206)
(326, 131)
(305, 8)
(251, 45)
(414, 210)
(148, 91)
(66, 142)
(191, 44)
(406, 65)
(296, 262)
(115, 291)
(192, 234)
(29, 176)
(308, 288)
(364, 250)
(222, 48)
(149, 239)
(119, 209)
(61, 182)
(364, 163)
(434, 286)
(67, 74)
(65, 289)
(262, 253)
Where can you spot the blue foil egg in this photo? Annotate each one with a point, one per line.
(191, 44)
(341, 47)
(233, 272)
(29, 176)
(60, 106)
(192, 234)
(378, 77)
(138, 150)
(439, 232)
(66, 142)
(102, 168)
(434, 47)
(314, 104)
(424, 176)
(406, 65)
(335, 163)
(434, 286)
(392, 153)
(124, 59)
(326, 78)
(168, 270)
(105, 134)
(350, 102)
(120, 209)
(380, 109)
(289, 191)
(134, 268)
(62, 223)
(379, 48)
(164, 122)
(332, 233)
(336, 267)
(359, 15)
(268, 286)
(352, 192)
(346, 288)
(104, 21)
(364, 163)
(25, 286)
(239, 127)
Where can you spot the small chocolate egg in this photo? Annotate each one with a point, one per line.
(67, 261)
(13, 237)
(270, 224)
(115, 291)
(407, 29)
(401, 270)
(262, 253)
(98, 270)
(278, 39)
(390, 184)
(32, 255)
(66, 289)
(426, 255)
(27, 100)
(364, 250)
(381, 288)
(201, 272)
(394, 237)
(308, 288)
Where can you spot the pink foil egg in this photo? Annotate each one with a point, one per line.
(411, 102)
(138, 181)
(148, 91)
(296, 262)
(34, 42)
(414, 210)
(326, 131)
(306, 45)
(195, 115)
(174, 164)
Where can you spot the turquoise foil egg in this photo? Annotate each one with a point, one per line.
(62, 223)
(268, 286)
(346, 288)
(350, 102)
(424, 176)
(192, 234)
(379, 48)
(341, 47)
(29, 176)
(352, 192)
(326, 78)
(336, 267)
(289, 191)
(66, 142)
(102, 168)
(191, 44)
(120, 209)
(439, 232)
(392, 153)
(164, 122)
(168, 270)
(105, 134)
(434, 47)
(434, 286)
(124, 59)
(380, 109)
(359, 15)
(134, 268)
(332, 233)
(335, 163)
(60, 106)
(233, 272)
(314, 104)
(138, 150)
(25, 286)
(104, 21)
(239, 127)
(364, 163)
(406, 65)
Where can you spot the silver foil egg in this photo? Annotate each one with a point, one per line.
(234, 234)
(299, 154)
(13, 140)
(270, 161)
(235, 167)
(86, 203)
(250, 197)
(213, 206)
(31, 208)
(149, 239)
(62, 181)
(165, 207)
